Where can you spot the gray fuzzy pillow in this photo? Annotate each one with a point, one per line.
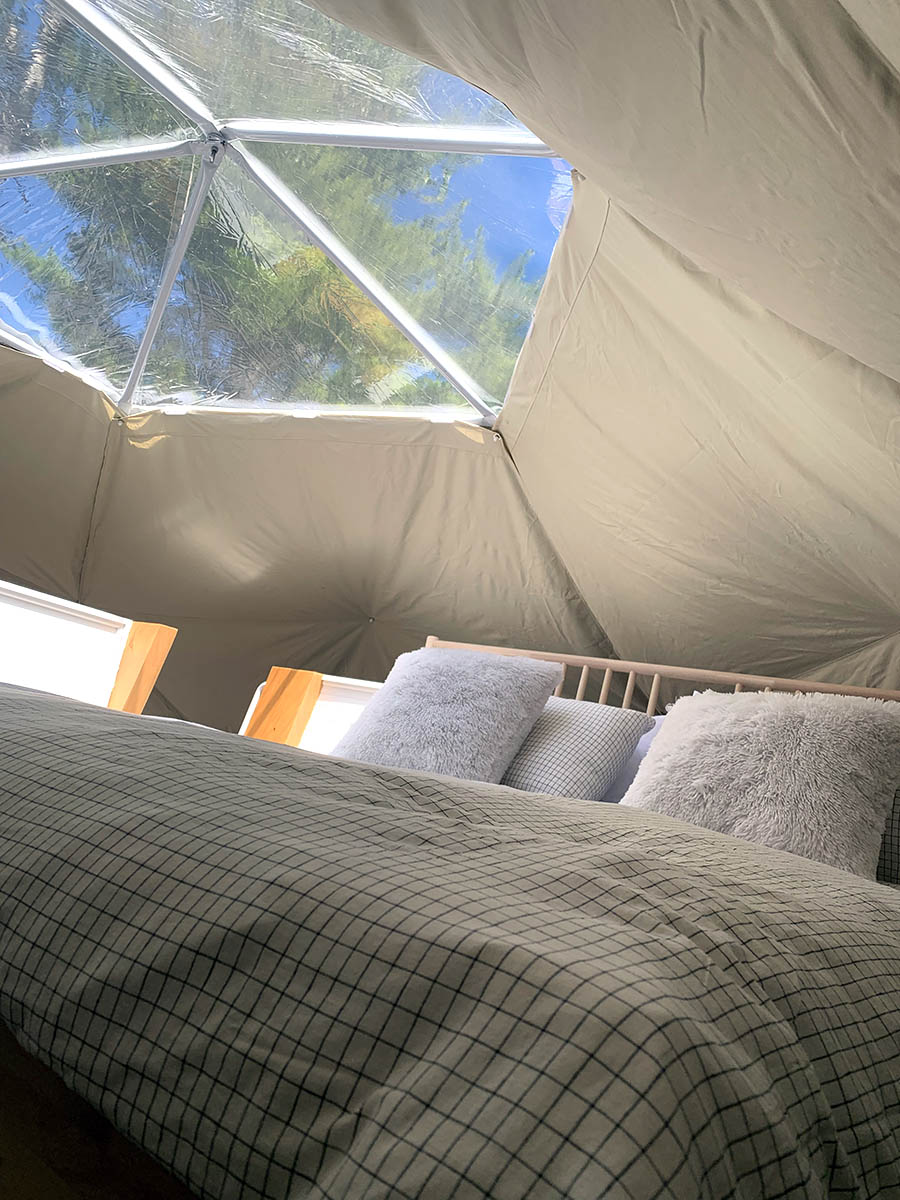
(814, 775)
(452, 712)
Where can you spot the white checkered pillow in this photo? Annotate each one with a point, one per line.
(576, 748)
(889, 861)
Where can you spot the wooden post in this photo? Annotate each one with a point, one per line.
(285, 705)
(139, 667)
(604, 690)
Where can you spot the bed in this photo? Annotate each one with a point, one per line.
(285, 975)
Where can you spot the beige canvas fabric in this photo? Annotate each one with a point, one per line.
(53, 433)
(759, 139)
(722, 487)
(332, 543)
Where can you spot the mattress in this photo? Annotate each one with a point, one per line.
(288, 976)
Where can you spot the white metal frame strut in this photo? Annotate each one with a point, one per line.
(129, 51)
(329, 243)
(456, 139)
(212, 158)
(102, 156)
(221, 137)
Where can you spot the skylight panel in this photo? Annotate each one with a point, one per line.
(81, 254)
(463, 241)
(58, 88)
(377, 235)
(260, 318)
(281, 60)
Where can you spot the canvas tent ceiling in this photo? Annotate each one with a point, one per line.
(699, 445)
(734, 498)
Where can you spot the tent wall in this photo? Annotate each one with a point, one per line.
(53, 434)
(722, 487)
(332, 543)
(701, 433)
(758, 138)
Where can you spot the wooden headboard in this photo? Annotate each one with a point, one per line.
(655, 673)
(282, 707)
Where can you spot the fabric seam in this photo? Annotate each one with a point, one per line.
(552, 355)
(90, 529)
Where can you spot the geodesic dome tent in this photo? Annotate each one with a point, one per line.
(266, 285)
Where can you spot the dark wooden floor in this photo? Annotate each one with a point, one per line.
(54, 1146)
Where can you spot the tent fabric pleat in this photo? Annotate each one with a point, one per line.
(721, 487)
(331, 543)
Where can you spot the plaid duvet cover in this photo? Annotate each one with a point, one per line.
(288, 976)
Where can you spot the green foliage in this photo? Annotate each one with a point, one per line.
(445, 278)
(257, 314)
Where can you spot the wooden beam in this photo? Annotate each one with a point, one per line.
(285, 705)
(145, 652)
(729, 679)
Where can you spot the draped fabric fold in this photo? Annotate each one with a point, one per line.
(329, 542)
(722, 488)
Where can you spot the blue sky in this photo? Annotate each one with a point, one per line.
(520, 202)
(516, 200)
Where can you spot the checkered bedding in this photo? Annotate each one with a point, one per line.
(287, 976)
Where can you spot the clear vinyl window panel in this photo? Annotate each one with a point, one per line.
(280, 58)
(464, 242)
(81, 254)
(58, 88)
(260, 318)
